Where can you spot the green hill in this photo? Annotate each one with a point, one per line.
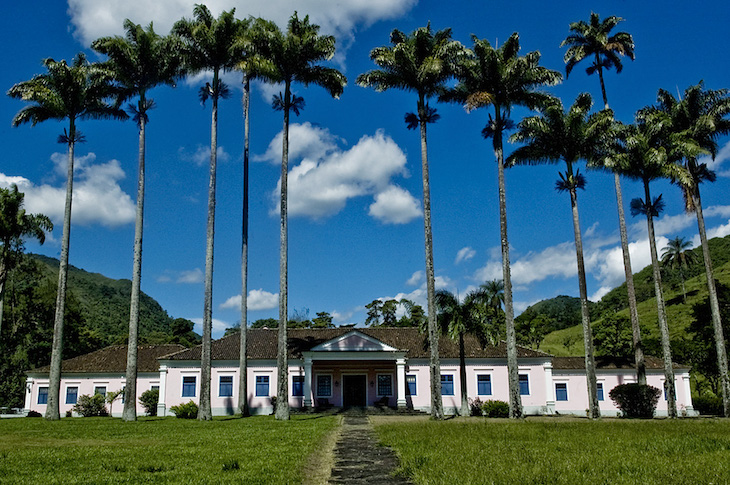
(97, 315)
(569, 341)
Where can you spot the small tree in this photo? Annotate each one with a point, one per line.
(149, 400)
(113, 396)
(88, 406)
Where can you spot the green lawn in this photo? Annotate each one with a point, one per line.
(560, 451)
(159, 450)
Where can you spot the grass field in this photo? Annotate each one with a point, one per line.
(560, 451)
(255, 450)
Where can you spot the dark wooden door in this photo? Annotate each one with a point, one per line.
(354, 391)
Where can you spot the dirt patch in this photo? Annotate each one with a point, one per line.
(318, 469)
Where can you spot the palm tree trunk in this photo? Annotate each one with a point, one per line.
(515, 401)
(462, 377)
(661, 311)
(129, 413)
(205, 412)
(630, 291)
(593, 406)
(243, 359)
(282, 361)
(3, 279)
(54, 377)
(722, 363)
(437, 407)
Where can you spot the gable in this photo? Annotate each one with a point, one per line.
(353, 341)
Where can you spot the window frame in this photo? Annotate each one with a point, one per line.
(564, 394)
(76, 397)
(220, 385)
(267, 382)
(377, 385)
(600, 391)
(42, 391)
(526, 382)
(448, 381)
(194, 384)
(295, 382)
(330, 385)
(488, 381)
(408, 385)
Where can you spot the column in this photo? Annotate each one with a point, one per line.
(307, 382)
(401, 390)
(687, 395)
(549, 388)
(28, 394)
(161, 406)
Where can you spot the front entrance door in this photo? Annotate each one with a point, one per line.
(354, 391)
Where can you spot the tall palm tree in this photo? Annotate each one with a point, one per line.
(494, 292)
(649, 154)
(677, 255)
(458, 318)
(422, 62)
(702, 114)
(208, 45)
(570, 136)
(593, 41)
(15, 226)
(287, 58)
(140, 61)
(500, 77)
(244, 48)
(72, 92)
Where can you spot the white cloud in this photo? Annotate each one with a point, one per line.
(218, 326)
(190, 276)
(344, 317)
(395, 205)
(257, 300)
(97, 196)
(419, 295)
(415, 278)
(600, 293)
(93, 18)
(327, 176)
(464, 254)
(722, 156)
(201, 155)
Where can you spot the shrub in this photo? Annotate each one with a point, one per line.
(475, 407)
(88, 406)
(273, 405)
(33, 414)
(189, 410)
(496, 409)
(635, 400)
(69, 414)
(708, 405)
(149, 400)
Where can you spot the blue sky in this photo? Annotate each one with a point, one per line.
(356, 227)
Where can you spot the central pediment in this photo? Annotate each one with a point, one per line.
(354, 341)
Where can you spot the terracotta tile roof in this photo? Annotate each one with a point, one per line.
(114, 359)
(575, 363)
(262, 344)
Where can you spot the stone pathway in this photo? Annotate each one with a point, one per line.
(359, 459)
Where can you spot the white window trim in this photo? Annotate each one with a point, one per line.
(453, 383)
(392, 380)
(489, 374)
(182, 385)
(233, 382)
(255, 385)
(303, 377)
(527, 374)
(65, 397)
(316, 385)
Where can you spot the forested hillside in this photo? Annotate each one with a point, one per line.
(97, 315)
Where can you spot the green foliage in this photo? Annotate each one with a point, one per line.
(495, 409)
(160, 450)
(322, 320)
(149, 400)
(531, 328)
(88, 406)
(612, 336)
(33, 414)
(475, 407)
(708, 405)
(560, 312)
(635, 400)
(265, 323)
(188, 410)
